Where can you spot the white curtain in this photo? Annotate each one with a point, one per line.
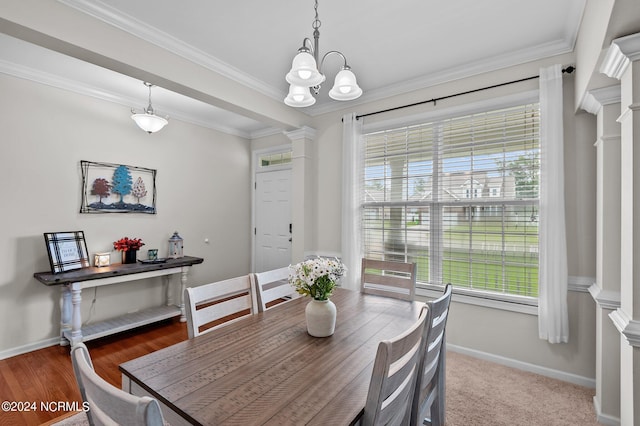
(351, 184)
(553, 317)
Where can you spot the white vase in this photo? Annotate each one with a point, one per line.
(321, 318)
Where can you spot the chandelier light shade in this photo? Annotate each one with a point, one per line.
(305, 74)
(147, 120)
(299, 96)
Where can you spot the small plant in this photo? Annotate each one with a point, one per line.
(316, 277)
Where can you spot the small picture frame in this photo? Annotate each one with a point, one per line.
(67, 251)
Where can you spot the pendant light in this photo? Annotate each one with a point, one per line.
(147, 120)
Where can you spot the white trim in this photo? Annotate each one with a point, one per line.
(604, 419)
(525, 366)
(595, 99)
(304, 132)
(627, 112)
(19, 350)
(620, 54)
(606, 299)
(629, 328)
(484, 300)
(579, 284)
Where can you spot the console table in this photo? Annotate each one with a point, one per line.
(72, 282)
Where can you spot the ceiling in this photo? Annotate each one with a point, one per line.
(392, 47)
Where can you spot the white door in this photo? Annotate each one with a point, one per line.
(273, 220)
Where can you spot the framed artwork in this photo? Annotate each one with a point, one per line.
(67, 251)
(117, 188)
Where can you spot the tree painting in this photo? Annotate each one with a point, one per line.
(101, 188)
(139, 190)
(121, 182)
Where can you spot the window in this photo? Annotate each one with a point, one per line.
(277, 159)
(459, 197)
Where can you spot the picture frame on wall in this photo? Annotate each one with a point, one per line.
(117, 188)
(67, 251)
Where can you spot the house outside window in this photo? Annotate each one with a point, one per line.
(459, 197)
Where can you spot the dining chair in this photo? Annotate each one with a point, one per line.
(429, 398)
(212, 305)
(109, 405)
(393, 381)
(272, 286)
(388, 278)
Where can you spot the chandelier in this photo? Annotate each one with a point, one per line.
(147, 120)
(306, 75)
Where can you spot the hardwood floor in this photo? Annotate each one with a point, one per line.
(46, 376)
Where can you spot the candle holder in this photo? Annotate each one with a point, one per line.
(102, 259)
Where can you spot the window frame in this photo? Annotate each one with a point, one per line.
(511, 302)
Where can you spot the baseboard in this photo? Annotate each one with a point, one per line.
(604, 418)
(8, 353)
(525, 366)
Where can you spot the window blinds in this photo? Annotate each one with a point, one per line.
(459, 197)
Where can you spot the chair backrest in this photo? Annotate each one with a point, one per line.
(388, 278)
(211, 305)
(429, 398)
(109, 405)
(273, 285)
(394, 376)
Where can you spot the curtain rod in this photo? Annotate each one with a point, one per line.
(567, 70)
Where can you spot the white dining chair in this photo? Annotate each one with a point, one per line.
(212, 305)
(272, 286)
(429, 399)
(388, 278)
(109, 405)
(393, 381)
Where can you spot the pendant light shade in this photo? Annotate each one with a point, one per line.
(345, 87)
(150, 123)
(147, 120)
(304, 71)
(299, 96)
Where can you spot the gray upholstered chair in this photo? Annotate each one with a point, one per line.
(388, 278)
(212, 305)
(394, 377)
(273, 285)
(429, 398)
(109, 405)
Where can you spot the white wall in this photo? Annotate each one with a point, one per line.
(203, 191)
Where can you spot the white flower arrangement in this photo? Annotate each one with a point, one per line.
(316, 277)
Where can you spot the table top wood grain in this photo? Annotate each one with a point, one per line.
(266, 370)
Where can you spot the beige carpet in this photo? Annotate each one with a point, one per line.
(483, 393)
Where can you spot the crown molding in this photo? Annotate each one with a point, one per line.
(38, 76)
(115, 18)
(629, 328)
(304, 132)
(620, 54)
(595, 99)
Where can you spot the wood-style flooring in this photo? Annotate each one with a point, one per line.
(46, 375)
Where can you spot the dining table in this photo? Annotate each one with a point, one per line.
(265, 369)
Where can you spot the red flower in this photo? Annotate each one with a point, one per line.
(126, 244)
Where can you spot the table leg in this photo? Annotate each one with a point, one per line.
(76, 320)
(65, 313)
(169, 290)
(183, 284)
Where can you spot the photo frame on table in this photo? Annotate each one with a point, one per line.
(117, 188)
(67, 251)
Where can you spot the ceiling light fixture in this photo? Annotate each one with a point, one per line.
(147, 120)
(305, 74)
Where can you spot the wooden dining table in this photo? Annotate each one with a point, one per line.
(265, 369)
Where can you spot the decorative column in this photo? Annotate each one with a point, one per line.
(622, 62)
(303, 189)
(605, 103)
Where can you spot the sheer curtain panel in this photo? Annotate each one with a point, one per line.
(553, 318)
(351, 185)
